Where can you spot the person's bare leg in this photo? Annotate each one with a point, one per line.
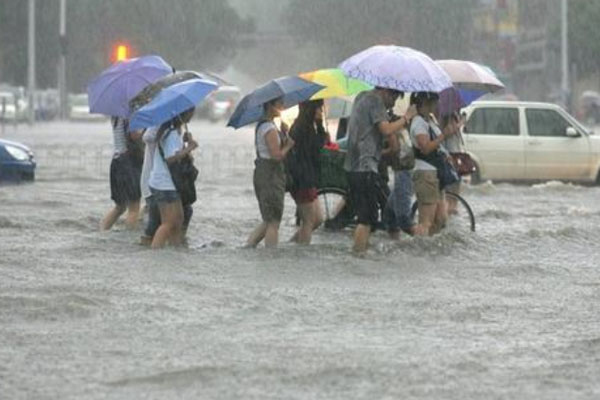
(306, 223)
(113, 215)
(426, 218)
(133, 215)
(272, 234)
(171, 217)
(361, 238)
(257, 235)
(441, 216)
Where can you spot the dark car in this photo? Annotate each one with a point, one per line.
(17, 162)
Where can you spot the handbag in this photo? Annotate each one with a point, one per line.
(184, 175)
(446, 173)
(463, 163)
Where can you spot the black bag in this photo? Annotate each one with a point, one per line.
(446, 173)
(184, 175)
(135, 147)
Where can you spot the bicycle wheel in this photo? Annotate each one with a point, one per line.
(462, 219)
(337, 213)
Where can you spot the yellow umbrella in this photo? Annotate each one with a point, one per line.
(336, 83)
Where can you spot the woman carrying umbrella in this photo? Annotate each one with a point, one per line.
(263, 105)
(427, 139)
(125, 170)
(308, 133)
(170, 149)
(272, 146)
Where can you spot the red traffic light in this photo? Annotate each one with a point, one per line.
(121, 51)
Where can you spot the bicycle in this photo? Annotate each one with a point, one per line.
(337, 209)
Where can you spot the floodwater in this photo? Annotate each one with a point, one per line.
(508, 312)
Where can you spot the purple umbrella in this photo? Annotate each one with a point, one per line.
(110, 92)
(395, 67)
(450, 101)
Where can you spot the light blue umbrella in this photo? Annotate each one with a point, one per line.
(110, 92)
(291, 89)
(170, 102)
(399, 68)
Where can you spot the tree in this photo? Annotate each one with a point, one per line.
(190, 34)
(341, 28)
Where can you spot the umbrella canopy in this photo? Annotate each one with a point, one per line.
(395, 67)
(336, 83)
(110, 92)
(468, 75)
(338, 108)
(451, 101)
(149, 92)
(291, 89)
(170, 102)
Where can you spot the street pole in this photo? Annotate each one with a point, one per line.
(565, 90)
(31, 61)
(62, 64)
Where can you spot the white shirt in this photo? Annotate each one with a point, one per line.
(419, 126)
(149, 139)
(160, 178)
(119, 138)
(261, 143)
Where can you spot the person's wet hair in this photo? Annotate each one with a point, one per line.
(419, 98)
(270, 103)
(394, 92)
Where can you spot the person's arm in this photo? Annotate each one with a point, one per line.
(276, 151)
(171, 144)
(426, 145)
(389, 128)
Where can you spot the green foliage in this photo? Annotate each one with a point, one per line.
(190, 34)
(344, 27)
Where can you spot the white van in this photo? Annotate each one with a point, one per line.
(526, 141)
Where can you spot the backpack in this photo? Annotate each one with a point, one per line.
(184, 175)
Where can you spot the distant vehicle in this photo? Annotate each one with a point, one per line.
(79, 109)
(222, 102)
(17, 162)
(526, 141)
(12, 108)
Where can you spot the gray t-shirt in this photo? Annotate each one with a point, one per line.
(365, 141)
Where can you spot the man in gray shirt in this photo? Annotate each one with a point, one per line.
(367, 129)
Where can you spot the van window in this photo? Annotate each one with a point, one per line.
(546, 123)
(493, 121)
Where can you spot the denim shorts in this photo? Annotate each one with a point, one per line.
(164, 196)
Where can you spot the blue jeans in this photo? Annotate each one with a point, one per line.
(397, 214)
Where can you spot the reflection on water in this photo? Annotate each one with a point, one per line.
(507, 312)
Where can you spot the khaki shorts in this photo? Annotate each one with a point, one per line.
(269, 187)
(454, 188)
(426, 187)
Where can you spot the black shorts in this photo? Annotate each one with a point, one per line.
(366, 193)
(124, 180)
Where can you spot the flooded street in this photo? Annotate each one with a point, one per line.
(508, 312)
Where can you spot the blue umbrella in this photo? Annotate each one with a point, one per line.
(110, 92)
(291, 89)
(170, 102)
